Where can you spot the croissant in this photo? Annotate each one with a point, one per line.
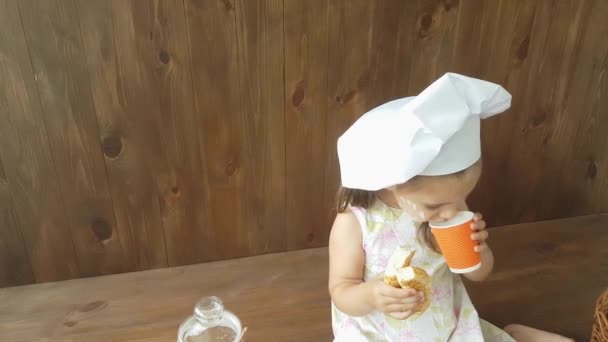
(400, 274)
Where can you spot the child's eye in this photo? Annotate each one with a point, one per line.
(432, 206)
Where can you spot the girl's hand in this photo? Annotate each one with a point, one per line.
(397, 303)
(480, 233)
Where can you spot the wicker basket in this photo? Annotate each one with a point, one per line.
(600, 323)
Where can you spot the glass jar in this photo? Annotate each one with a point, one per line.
(210, 323)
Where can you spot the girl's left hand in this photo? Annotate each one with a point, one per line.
(480, 233)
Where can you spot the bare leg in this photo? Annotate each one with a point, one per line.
(522, 333)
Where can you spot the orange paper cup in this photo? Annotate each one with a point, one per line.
(454, 239)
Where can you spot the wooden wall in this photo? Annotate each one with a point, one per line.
(144, 134)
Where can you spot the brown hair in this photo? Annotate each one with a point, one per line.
(365, 199)
(354, 197)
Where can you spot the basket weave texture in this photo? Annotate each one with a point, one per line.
(600, 321)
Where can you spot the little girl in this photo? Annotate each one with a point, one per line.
(403, 164)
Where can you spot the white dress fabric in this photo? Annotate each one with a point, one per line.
(451, 316)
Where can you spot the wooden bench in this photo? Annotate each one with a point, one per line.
(548, 275)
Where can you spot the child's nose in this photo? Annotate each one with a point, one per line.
(447, 214)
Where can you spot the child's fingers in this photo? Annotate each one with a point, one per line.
(480, 236)
(389, 291)
(482, 247)
(479, 225)
(410, 301)
(477, 217)
(400, 315)
(401, 307)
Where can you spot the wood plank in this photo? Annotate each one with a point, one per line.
(384, 46)
(137, 55)
(27, 160)
(53, 35)
(182, 197)
(472, 24)
(348, 82)
(393, 32)
(480, 51)
(548, 275)
(15, 267)
(506, 44)
(215, 78)
(550, 50)
(279, 297)
(599, 166)
(407, 33)
(128, 137)
(579, 135)
(432, 47)
(306, 70)
(261, 67)
(524, 38)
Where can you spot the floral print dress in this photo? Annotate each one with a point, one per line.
(451, 316)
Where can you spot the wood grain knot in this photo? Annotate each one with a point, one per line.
(344, 99)
(111, 146)
(310, 237)
(96, 305)
(228, 6)
(426, 21)
(70, 324)
(539, 119)
(164, 57)
(298, 95)
(591, 169)
(102, 229)
(522, 51)
(230, 168)
(175, 190)
(449, 4)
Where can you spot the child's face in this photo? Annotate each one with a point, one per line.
(438, 198)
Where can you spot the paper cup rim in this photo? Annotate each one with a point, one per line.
(458, 219)
(466, 270)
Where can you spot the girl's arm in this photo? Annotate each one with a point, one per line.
(348, 291)
(480, 234)
(346, 263)
(487, 265)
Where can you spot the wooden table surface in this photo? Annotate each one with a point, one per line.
(548, 274)
(279, 297)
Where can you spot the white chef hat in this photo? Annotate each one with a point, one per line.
(435, 133)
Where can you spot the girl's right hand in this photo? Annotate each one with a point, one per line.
(397, 303)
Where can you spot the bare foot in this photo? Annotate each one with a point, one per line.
(522, 333)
